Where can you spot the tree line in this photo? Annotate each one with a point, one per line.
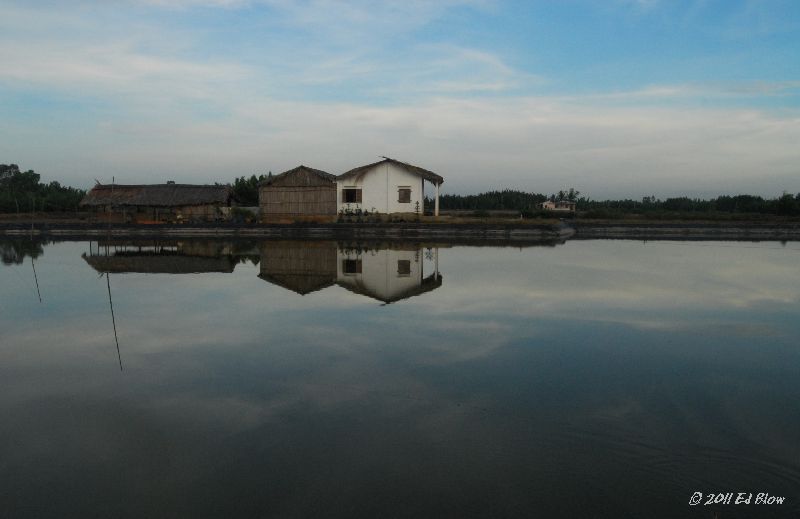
(22, 192)
(509, 199)
(784, 205)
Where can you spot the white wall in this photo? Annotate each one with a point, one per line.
(379, 272)
(379, 190)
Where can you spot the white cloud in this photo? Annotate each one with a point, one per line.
(465, 112)
(538, 144)
(102, 67)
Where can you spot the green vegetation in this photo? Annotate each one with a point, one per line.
(22, 192)
(720, 208)
(490, 201)
(245, 190)
(14, 251)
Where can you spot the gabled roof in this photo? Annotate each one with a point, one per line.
(432, 282)
(301, 176)
(358, 172)
(300, 283)
(161, 195)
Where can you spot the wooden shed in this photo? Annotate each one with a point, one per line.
(299, 192)
(160, 202)
(300, 266)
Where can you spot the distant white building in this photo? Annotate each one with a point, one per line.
(567, 206)
(387, 186)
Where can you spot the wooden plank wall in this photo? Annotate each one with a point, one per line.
(299, 266)
(314, 200)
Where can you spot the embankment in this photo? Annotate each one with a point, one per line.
(686, 230)
(444, 232)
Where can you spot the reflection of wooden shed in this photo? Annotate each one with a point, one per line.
(301, 191)
(164, 263)
(299, 266)
(159, 202)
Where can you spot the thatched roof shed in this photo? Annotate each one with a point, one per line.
(302, 267)
(301, 176)
(157, 195)
(299, 192)
(358, 172)
(152, 263)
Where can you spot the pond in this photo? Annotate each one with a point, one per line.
(329, 379)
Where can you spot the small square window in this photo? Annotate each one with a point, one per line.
(351, 195)
(403, 268)
(351, 266)
(404, 195)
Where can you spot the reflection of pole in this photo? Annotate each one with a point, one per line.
(33, 210)
(36, 279)
(436, 263)
(113, 321)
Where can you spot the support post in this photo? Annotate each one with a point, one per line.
(436, 203)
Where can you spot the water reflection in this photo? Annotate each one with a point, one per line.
(14, 251)
(160, 257)
(386, 272)
(599, 379)
(302, 267)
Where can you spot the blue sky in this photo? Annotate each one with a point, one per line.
(615, 97)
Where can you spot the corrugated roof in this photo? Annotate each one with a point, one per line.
(160, 195)
(430, 176)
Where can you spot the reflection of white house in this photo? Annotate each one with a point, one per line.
(387, 275)
(388, 186)
(559, 205)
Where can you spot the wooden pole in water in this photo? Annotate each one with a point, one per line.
(113, 321)
(36, 279)
(33, 209)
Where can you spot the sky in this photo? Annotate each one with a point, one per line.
(617, 98)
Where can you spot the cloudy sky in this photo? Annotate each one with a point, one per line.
(618, 98)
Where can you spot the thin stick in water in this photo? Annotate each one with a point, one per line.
(113, 321)
(36, 279)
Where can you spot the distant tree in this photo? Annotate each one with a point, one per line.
(245, 190)
(787, 205)
(572, 195)
(14, 251)
(22, 191)
(492, 200)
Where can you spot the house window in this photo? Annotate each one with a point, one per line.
(351, 266)
(403, 268)
(351, 195)
(404, 195)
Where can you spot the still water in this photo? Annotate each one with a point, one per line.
(323, 379)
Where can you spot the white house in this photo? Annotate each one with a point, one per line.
(388, 275)
(387, 186)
